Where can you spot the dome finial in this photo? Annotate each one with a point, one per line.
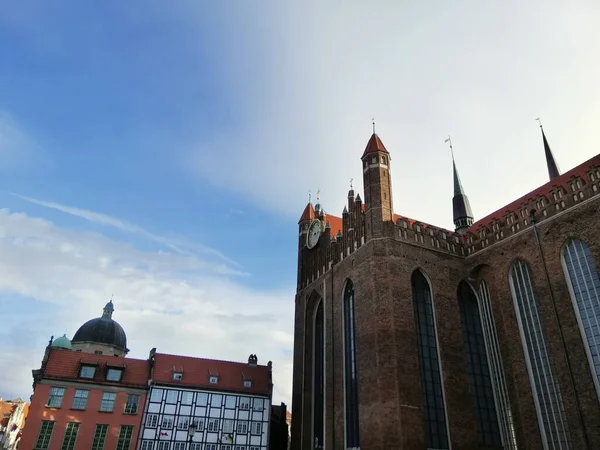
(108, 309)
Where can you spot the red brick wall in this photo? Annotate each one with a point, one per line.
(389, 384)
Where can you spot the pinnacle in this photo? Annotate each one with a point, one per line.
(374, 145)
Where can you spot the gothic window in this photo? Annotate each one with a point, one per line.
(351, 379)
(431, 377)
(319, 378)
(584, 284)
(550, 410)
(480, 381)
(505, 417)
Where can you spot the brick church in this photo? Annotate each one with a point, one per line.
(410, 336)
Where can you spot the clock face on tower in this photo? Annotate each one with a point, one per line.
(314, 233)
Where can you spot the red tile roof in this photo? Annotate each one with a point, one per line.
(308, 214)
(374, 145)
(544, 190)
(196, 372)
(65, 364)
(335, 223)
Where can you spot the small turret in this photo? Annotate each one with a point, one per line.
(378, 187)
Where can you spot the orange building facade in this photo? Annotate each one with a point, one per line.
(85, 401)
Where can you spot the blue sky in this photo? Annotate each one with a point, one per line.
(163, 152)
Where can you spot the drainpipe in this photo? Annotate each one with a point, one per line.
(536, 232)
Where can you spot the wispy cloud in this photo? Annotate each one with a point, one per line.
(123, 225)
(58, 278)
(17, 147)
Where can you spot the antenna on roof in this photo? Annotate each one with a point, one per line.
(373, 121)
(448, 140)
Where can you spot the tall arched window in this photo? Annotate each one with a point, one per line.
(431, 376)
(480, 380)
(584, 284)
(544, 384)
(505, 417)
(319, 378)
(350, 375)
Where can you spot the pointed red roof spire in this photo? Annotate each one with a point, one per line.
(374, 145)
(308, 214)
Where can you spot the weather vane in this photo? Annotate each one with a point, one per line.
(309, 196)
(351, 180)
(318, 195)
(539, 121)
(373, 121)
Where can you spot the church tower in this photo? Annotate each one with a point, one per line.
(378, 187)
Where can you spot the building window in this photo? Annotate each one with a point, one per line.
(211, 446)
(544, 384)
(256, 427)
(242, 427)
(183, 423)
(152, 420)
(584, 283)
(195, 446)
(147, 445)
(213, 379)
(213, 425)
(87, 372)
(43, 440)
(216, 400)
(171, 396)
(114, 375)
(244, 403)
(187, 398)
(480, 381)
(247, 383)
(431, 380)
(177, 376)
(199, 424)
(201, 399)
(228, 426)
(99, 437)
(351, 378)
(230, 401)
(258, 404)
(131, 405)
(56, 397)
(181, 446)
(167, 422)
(70, 436)
(157, 395)
(319, 376)
(80, 399)
(108, 401)
(505, 417)
(124, 440)
(164, 445)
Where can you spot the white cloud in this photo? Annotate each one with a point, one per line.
(165, 299)
(307, 78)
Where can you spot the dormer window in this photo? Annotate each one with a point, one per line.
(177, 376)
(213, 379)
(247, 383)
(114, 375)
(87, 372)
